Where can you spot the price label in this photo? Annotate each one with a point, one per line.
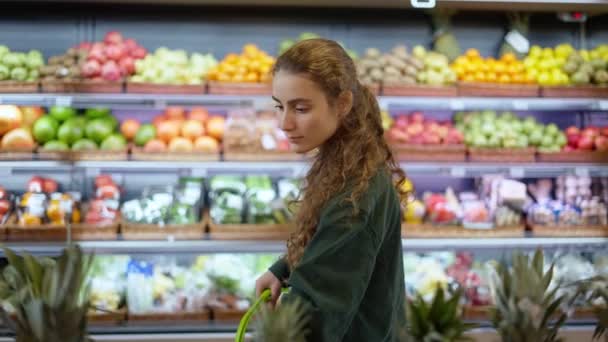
(518, 41)
(581, 172)
(520, 105)
(457, 171)
(63, 101)
(603, 105)
(423, 3)
(517, 172)
(171, 238)
(457, 105)
(199, 173)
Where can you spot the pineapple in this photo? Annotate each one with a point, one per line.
(596, 290)
(526, 309)
(48, 298)
(520, 22)
(439, 321)
(289, 322)
(444, 40)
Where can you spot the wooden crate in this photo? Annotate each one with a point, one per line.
(202, 316)
(138, 154)
(139, 231)
(17, 154)
(247, 231)
(85, 231)
(227, 315)
(88, 86)
(497, 90)
(153, 88)
(476, 313)
(589, 91)
(262, 156)
(418, 90)
(107, 318)
(221, 88)
(569, 231)
(452, 231)
(502, 155)
(19, 87)
(100, 155)
(576, 156)
(432, 153)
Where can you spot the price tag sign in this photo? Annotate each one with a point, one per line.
(518, 41)
(520, 105)
(423, 3)
(581, 172)
(458, 171)
(517, 172)
(63, 101)
(603, 105)
(457, 105)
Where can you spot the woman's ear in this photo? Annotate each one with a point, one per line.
(345, 103)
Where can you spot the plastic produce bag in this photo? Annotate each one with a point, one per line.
(227, 199)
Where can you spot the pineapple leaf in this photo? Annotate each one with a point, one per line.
(538, 262)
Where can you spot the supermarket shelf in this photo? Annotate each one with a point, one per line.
(154, 101)
(217, 246)
(201, 169)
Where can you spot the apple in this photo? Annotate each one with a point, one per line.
(115, 52)
(604, 131)
(416, 139)
(573, 140)
(139, 53)
(130, 45)
(443, 132)
(85, 45)
(601, 143)
(111, 71)
(91, 68)
(397, 136)
(454, 137)
(113, 37)
(414, 129)
(586, 143)
(127, 66)
(431, 138)
(591, 132)
(97, 54)
(401, 123)
(569, 148)
(417, 117)
(3, 193)
(573, 130)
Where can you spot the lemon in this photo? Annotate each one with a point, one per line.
(547, 53)
(530, 62)
(535, 51)
(544, 78)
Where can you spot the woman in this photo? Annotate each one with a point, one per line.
(345, 257)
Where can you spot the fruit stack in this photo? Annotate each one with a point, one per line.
(112, 59)
(171, 67)
(246, 73)
(583, 145)
(193, 135)
(415, 137)
(63, 132)
(19, 66)
(15, 131)
(63, 68)
(545, 65)
(395, 68)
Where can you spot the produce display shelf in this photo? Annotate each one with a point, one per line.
(160, 101)
(250, 246)
(208, 168)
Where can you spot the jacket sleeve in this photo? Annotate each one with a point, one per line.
(280, 269)
(334, 272)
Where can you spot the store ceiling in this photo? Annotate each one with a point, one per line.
(528, 5)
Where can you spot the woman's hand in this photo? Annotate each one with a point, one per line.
(269, 281)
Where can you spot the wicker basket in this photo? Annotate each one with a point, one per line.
(574, 157)
(139, 231)
(227, 315)
(448, 153)
(575, 92)
(497, 90)
(17, 154)
(569, 231)
(220, 88)
(418, 90)
(107, 318)
(100, 155)
(202, 316)
(503, 155)
(262, 156)
(138, 154)
(437, 231)
(59, 86)
(152, 88)
(84, 232)
(88, 86)
(19, 87)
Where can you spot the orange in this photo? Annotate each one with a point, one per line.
(504, 78)
(508, 57)
(512, 69)
(485, 67)
(250, 48)
(491, 77)
(500, 67)
(265, 69)
(530, 79)
(470, 68)
(212, 75)
(238, 78)
(228, 69)
(480, 76)
(518, 78)
(242, 70)
(468, 78)
(231, 58)
(255, 65)
(223, 77)
(472, 53)
(252, 77)
(460, 60)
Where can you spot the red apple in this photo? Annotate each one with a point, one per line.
(604, 131)
(443, 132)
(115, 52)
(97, 54)
(591, 132)
(5, 205)
(586, 143)
(139, 53)
(601, 143)
(3, 193)
(127, 66)
(416, 139)
(454, 137)
(569, 148)
(49, 186)
(91, 68)
(113, 37)
(130, 45)
(401, 123)
(572, 130)
(85, 45)
(111, 71)
(417, 117)
(573, 140)
(431, 138)
(395, 135)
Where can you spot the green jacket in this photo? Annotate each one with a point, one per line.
(352, 270)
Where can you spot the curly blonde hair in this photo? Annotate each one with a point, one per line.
(353, 154)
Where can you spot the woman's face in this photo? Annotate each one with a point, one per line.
(305, 115)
